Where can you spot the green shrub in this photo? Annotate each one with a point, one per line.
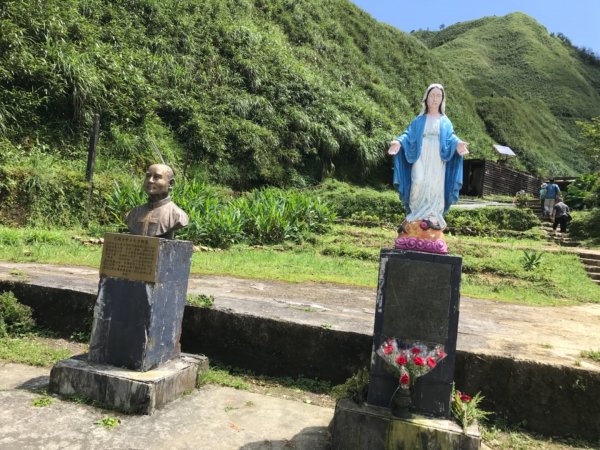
(531, 259)
(217, 219)
(583, 192)
(585, 225)
(43, 190)
(274, 215)
(486, 220)
(15, 318)
(362, 206)
(201, 300)
(522, 199)
(354, 388)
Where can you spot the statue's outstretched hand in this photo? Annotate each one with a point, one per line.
(394, 148)
(462, 149)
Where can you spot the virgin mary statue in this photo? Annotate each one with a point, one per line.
(428, 159)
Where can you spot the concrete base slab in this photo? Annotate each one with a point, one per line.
(211, 418)
(356, 427)
(123, 389)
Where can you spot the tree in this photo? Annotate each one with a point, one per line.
(591, 132)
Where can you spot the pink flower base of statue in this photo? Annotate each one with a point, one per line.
(420, 236)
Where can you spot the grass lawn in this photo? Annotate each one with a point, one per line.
(493, 268)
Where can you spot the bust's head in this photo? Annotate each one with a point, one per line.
(158, 182)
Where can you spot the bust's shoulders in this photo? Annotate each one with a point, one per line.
(136, 210)
(177, 214)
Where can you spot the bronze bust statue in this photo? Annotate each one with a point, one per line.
(160, 217)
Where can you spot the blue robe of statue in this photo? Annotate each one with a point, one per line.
(412, 140)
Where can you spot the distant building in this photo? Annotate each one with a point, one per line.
(482, 177)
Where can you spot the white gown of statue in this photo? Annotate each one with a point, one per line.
(427, 184)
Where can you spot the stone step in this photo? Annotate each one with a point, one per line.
(560, 237)
(594, 276)
(565, 242)
(590, 262)
(592, 269)
(570, 243)
(593, 256)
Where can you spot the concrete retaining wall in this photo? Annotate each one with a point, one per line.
(274, 347)
(552, 400)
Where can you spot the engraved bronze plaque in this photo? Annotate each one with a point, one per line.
(130, 257)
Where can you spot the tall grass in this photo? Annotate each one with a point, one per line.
(263, 216)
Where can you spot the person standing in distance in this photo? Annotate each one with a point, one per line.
(552, 192)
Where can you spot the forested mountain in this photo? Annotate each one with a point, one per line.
(530, 86)
(282, 92)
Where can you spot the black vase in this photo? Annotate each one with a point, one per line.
(400, 402)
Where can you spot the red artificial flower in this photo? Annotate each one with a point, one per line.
(387, 349)
(464, 397)
(404, 379)
(418, 361)
(415, 350)
(441, 354)
(401, 360)
(431, 362)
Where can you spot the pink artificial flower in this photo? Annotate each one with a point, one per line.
(387, 349)
(441, 354)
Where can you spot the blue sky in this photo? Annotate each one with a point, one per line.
(579, 20)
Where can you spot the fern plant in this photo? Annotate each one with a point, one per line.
(465, 409)
(531, 259)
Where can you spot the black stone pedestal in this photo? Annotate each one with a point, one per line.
(137, 324)
(418, 297)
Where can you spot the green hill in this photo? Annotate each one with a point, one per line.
(530, 86)
(280, 92)
(249, 92)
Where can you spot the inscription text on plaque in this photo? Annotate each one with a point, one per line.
(130, 257)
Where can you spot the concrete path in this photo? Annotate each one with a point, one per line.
(211, 418)
(553, 335)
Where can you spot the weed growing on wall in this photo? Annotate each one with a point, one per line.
(15, 318)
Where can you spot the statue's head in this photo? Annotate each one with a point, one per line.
(434, 90)
(159, 181)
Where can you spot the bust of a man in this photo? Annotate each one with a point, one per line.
(160, 217)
